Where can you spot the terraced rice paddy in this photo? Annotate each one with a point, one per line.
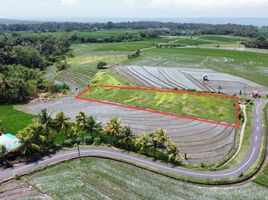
(93, 178)
(237, 63)
(186, 78)
(203, 142)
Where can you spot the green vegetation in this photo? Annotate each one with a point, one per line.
(206, 107)
(249, 65)
(101, 178)
(14, 120)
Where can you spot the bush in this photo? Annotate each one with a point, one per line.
(68, 143)
(101, 65)
(88, 140)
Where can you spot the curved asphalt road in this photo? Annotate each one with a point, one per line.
(248, 161)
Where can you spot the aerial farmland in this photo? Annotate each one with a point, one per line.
(133, 113)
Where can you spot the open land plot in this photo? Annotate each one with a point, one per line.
(100, 179)
(203, 142)
(220, 108)
(186, 78)
(248, 65)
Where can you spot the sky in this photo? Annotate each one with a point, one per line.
(87, 9)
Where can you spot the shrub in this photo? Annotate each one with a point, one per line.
(88, 140)
(101, 65)
(68, 143)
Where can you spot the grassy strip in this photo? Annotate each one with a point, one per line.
(14, 120)
(246, 142)
(262, 179)
(206, 107)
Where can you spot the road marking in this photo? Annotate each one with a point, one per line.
(257, 128)
(257, 119)
(256, 138)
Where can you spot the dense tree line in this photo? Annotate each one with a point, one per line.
(175, 28)
(22, 60)
(260, 43)
(47, 134)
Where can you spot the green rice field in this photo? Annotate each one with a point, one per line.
(249, 65)
(94, 178)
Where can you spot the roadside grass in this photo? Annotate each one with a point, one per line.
(262, 179)
(14, 120)
(249, 65)
(245, 143)
(103, 178)
(206, 107)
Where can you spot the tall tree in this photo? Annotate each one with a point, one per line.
(127, 136)
(143, 142)
(61, 124)
(115, 129)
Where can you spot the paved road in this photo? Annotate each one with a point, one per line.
(248, 161)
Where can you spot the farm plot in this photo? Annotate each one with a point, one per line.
(242, 64)
(203, 142)
(186, 78)
(105, 179)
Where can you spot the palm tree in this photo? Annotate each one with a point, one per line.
(32, 139)
(115, 129)
(162, 136)
(127, 136)
(75, 132)
(61, 124)
(46, 122)
(5, 84)
(156, 141)
(143, 142)
(92, 126)
(172, 152)
(81, 119)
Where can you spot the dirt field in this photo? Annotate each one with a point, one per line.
(203, 142)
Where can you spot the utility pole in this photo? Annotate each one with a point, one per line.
(78, 149)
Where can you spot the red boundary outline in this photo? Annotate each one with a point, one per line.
(236, 125)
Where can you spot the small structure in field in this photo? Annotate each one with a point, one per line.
(9, 141)
(205, 77)
(255, 93)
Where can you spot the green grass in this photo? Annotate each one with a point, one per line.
(206, 107)
(14, 120)
(94, 178)
(249, 65)
(222, 38)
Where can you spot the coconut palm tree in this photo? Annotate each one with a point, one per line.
(143, 142)
(127, 136)
(81, 119)
(45, 120)
(156, 141)
(75, 132)
(61, 124)
(162, 136)
(115, 129)
(32, 139)
(172, 152)
(92, 126)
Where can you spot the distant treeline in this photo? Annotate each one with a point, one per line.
(260, 43)
(170, 27)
